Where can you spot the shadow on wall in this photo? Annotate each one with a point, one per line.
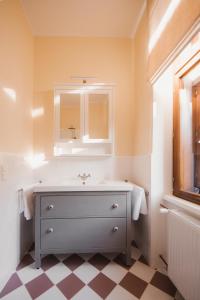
(26, 235)
(141, 235)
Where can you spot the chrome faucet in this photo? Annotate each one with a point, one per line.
(84, 177)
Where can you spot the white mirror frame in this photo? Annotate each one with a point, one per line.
(83, 90)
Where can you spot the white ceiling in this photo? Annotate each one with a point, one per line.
(108, 18)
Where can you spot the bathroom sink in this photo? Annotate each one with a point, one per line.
(90, 185)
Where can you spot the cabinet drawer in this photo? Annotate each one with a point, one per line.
(80, 206)
(73, 235)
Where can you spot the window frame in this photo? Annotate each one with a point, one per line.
(183, 71)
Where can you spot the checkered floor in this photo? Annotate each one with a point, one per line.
(87, 277)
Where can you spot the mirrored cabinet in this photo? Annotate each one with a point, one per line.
(83, 120)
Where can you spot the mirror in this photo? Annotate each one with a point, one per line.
(70, 112)
(98, 116)
(83, 120)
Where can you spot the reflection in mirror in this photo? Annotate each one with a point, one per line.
(190, 132)
(70, 116)
(98, 116)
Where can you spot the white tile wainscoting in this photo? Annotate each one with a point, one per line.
(15, 231)
(15, 172)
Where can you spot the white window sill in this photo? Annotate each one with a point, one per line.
(172, 202)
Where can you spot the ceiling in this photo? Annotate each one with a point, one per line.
(101, 18)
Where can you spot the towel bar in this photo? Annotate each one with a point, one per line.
(21, 189)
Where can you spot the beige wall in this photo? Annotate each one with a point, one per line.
(122, 61)
(185, 15)
(146, 65)
(143, 103)
(108, 59)
(16, 73)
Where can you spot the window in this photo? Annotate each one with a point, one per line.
(186, 144)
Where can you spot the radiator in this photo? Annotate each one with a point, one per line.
(184, 253)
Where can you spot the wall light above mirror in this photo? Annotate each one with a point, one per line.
(83, 120)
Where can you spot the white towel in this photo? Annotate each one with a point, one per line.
(28, 201)
(139, 203)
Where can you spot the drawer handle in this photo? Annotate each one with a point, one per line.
(115, 205)
(49, 230)
(115, 229)
(50, 206)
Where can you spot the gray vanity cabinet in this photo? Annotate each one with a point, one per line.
(81, 222)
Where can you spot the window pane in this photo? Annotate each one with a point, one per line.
(190, 132)
(196, 99)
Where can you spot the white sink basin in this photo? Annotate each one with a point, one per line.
(90, 185)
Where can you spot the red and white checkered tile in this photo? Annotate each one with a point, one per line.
(87, 277)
